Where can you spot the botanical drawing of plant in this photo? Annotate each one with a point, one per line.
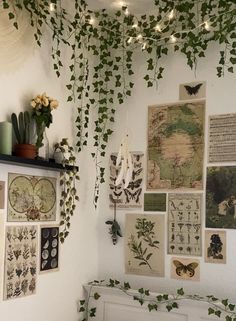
(138, 251)
(145, 234)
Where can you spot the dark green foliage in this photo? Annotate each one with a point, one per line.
(101, 64)
(22, 127)
(222, 308)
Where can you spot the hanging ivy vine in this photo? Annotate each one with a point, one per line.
(102, 45)
(221, 308)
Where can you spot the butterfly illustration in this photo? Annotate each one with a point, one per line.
(182, 269)
(193, 90)
(133, 195)
(136, 173)
(135, 184)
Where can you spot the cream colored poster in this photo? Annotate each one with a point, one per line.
(185, 269)
(215, 246)
(21, 256)
(144, 244)
(2, 195)
(192, 90)
(31, 198)
(176, 146)
(184, 224)
(222, 138)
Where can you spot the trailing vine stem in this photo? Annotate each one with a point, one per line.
(102, 44)
(220, 308)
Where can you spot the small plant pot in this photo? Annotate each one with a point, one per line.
(26, 151)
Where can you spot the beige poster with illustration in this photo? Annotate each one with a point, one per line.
(144, 244)
(185, 269)
(215, 246)
(2, 194)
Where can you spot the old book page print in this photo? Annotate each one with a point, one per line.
(185, 269)
(222, 138)
(144, 244)
(31, 198)
(221, 197)
(215, 246)
(176, 146)
(132, 196)
(184, 224)
(20, 261)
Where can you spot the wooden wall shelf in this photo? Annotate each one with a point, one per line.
(35, 163)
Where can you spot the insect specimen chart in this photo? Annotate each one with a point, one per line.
(132, 195)
(184, 224)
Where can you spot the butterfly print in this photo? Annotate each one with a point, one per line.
(182, 269)
(133, 195)
(136, 173)
(193, 90)
(135, 184)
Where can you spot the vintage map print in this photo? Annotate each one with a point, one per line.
(215, 246)
(20, 261)
(176, 146)
(221, 197)
(49, 250)
(132, 196)
(184, 224)
(31, 198)
(144, 244)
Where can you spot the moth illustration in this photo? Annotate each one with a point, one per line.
(136, 173)
(132, 195)
(135, 184)
(193, 90)
(182, 269)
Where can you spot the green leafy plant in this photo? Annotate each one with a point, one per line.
(101, 84)
(68, 179)
(22, 126)
(220, 308)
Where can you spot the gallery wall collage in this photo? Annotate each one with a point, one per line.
(33, 247)
(197, 204)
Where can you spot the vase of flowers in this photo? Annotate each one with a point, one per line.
(43, 106)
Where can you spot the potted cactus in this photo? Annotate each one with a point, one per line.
(22, 126)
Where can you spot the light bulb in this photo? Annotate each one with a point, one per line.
(135, 26)
(173, 39)
(158, 28)
(171, 14)
(126, 11)
(207, 25)
(91, 21)
(139, 37)
(52, 6)
(130, 40)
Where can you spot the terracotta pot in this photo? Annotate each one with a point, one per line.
(25, 151)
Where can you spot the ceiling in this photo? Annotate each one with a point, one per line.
(135, 6)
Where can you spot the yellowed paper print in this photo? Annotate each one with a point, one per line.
(176, 146)
(144, 244)
(184, 224)
(185, 269)
(2, 195)
(31, 198)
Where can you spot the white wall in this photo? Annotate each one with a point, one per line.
(218, 279)
(57, 293)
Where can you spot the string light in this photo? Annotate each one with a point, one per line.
(52, 7)
(130, 40)
(139, 37)
(173, 39)
(144, 45)
(135, 26)
(207, 25)
(91, 21)
(126, 11)
(171, 14)
(158, 28)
